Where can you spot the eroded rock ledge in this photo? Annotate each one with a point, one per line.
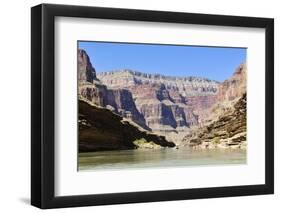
(229, 131)
(101, 129)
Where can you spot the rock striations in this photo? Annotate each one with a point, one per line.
(168, 104)
(118, 100)
(186, 86)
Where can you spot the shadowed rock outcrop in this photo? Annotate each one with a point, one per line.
(101, 129)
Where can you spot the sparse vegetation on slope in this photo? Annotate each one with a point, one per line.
(101, 129)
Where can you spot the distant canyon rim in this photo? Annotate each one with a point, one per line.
(191, 112)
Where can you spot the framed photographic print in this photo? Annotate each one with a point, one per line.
(139, 106)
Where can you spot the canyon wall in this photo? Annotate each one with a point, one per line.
(168, 104)
(226, 123)
(119, 100)
(175, 107)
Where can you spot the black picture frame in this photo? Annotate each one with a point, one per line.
(43, 117)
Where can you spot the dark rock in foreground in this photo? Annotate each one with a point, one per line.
(100, 129)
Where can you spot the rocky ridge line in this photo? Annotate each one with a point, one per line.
(226, 125)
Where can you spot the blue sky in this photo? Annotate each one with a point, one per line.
(215, 63)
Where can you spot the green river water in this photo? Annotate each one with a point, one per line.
(133, 159)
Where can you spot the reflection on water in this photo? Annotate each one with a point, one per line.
(126, 159)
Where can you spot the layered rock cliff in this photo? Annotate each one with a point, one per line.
(174, 107)
(168, 104)
(118, 100)
(186, 86)
(155, 102)
(86, 72)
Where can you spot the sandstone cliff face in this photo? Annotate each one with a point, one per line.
(228, 94)
(86, 72)
(118, 100)
(185, 86)
(168, 104)
(234, 87)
